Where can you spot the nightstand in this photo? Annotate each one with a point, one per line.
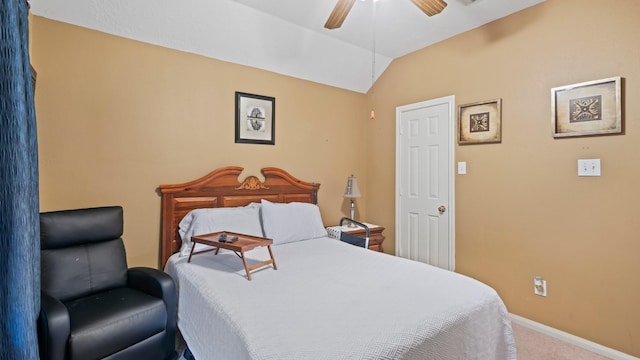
(375, 234)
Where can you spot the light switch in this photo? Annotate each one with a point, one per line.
(589, 167)
(462, 167)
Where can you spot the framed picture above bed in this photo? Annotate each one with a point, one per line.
(255, 119)
(588, 108)
(480, 122)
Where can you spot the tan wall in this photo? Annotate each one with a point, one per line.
(116, 118)
(521, 209)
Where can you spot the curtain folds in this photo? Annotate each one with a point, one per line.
(19, 202)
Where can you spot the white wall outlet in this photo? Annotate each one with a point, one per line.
(589, 167)
(539, 286)
(462, 167)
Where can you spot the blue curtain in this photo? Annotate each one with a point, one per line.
(19, 204)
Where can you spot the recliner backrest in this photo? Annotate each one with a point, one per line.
(82, 251)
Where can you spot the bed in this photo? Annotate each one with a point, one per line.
(327, 299)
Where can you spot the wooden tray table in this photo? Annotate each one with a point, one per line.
(243, 244)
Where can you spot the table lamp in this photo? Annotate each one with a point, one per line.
(351, 192)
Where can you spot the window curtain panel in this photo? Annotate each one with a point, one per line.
(19, 204)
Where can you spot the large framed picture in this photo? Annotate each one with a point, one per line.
(588, 108)
(255, 119)
(480, 122)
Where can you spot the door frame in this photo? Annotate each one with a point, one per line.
(450, 101)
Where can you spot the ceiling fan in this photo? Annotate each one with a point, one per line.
(342, 8)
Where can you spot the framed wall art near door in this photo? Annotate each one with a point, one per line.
(255, 119)
(588, 108)
(480, 122)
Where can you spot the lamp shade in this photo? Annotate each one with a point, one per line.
(352, 190)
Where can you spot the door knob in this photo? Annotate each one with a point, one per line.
(442, 209)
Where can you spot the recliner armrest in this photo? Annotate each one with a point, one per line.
(159, 284)
(153, 282)
(54, 328)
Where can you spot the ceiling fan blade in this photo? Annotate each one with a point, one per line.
(339, 13)
(430, 7)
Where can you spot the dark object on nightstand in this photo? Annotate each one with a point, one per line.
(354, 239)
(375, 234)
(92, 305)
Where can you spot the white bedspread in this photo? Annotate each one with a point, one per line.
(330, 300)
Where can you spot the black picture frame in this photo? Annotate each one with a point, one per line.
(255, 119)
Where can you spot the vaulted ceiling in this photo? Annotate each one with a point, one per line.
(284, 36)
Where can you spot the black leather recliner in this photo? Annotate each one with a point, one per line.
(92, 305)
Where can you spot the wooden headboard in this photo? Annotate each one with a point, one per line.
(221, 188)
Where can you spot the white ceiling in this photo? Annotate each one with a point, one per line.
(284, 36)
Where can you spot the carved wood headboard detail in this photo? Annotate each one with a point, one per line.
(221, 188)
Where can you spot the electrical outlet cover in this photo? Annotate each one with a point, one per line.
(540, 287)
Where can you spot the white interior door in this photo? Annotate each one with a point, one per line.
(424, 182)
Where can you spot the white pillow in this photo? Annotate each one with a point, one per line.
(288, 222)
(242, 220)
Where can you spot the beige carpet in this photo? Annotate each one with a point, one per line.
(533, 345)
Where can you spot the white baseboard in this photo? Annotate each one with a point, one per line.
(572, 339)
